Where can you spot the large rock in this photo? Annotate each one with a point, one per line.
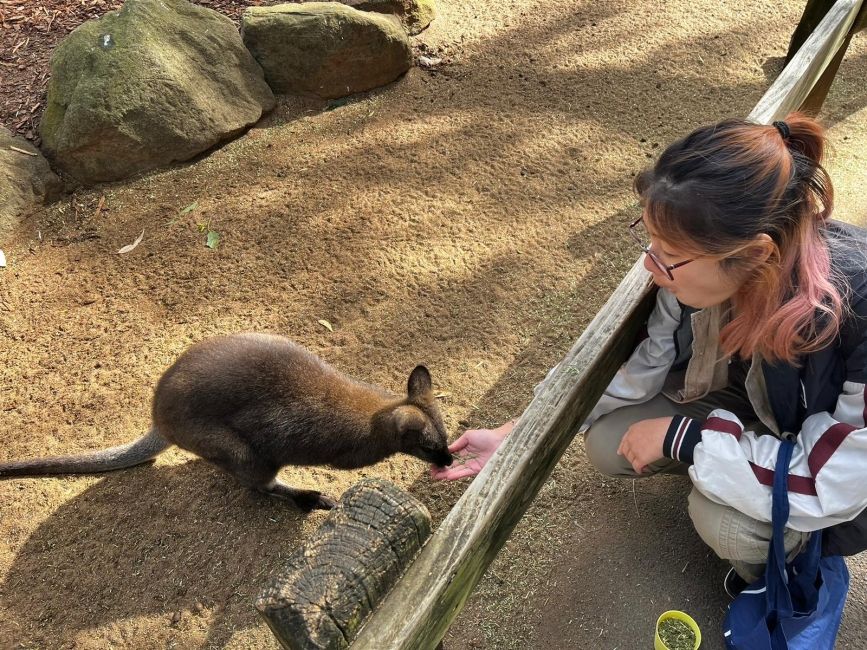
(325, 48)
(415, 15)
(26, 180)
(157, 82)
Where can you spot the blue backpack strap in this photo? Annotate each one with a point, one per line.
(778, 596)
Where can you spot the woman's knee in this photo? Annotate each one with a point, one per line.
(600, 445)
(735, 536)
(713, 522)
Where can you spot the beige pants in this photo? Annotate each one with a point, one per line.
(732, 535)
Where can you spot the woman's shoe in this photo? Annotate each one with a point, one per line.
(734, 584)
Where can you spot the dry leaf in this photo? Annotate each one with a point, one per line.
(325, 324)
(129, 247)
(442, 395)
(100, 205)
(429, 61)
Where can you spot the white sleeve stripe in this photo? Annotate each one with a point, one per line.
(678, 438)
(864, 415)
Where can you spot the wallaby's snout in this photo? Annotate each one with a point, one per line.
(439, 457)
(443, 459)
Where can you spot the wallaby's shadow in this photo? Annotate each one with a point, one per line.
(153, 541)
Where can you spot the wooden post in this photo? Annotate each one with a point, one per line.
(791, 90)
(814, 11)
(813, 14)
(328, 587)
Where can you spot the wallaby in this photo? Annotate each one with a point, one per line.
(253, 403)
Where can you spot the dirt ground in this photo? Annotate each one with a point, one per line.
(470, 218)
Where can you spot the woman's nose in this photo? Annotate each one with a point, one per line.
(649, 265)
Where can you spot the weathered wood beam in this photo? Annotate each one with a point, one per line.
(791, 89)
(819, 93)
(417, 613)
(814, 11)
(813, 104)
(328, 586)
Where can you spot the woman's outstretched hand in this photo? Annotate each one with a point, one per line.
(471, 451)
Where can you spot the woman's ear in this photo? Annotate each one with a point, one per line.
(762, 248)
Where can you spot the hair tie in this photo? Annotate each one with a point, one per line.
(783, 128)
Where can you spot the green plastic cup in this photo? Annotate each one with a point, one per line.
(680, 616)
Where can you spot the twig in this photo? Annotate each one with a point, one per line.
(24, 151)
(100, 206)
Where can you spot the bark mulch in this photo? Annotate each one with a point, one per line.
(29, 31)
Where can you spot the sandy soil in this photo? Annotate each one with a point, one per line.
(471, 219)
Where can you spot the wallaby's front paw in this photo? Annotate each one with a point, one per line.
(325, 503)
(312, 500)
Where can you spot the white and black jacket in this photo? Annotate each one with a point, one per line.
(821, 404)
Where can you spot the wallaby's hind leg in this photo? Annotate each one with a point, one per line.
(263, 478)
(233, 455)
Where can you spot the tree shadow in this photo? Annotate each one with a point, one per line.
(847, 95)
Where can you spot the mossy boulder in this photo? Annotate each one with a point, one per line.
(26, 180)
(325, 48)
(157, 82)
(415, 15)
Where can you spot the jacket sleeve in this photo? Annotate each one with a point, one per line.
(643, 374)
(826, 476)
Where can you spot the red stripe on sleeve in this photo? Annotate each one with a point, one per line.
(799, 484)
(827, 445)
(726, 426)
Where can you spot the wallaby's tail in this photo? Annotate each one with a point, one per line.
(137, 452)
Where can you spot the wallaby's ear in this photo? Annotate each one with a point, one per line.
(408, 418)
(419, 382)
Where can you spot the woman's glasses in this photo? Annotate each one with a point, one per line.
(639, 234)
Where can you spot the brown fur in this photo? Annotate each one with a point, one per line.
(253, 403)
